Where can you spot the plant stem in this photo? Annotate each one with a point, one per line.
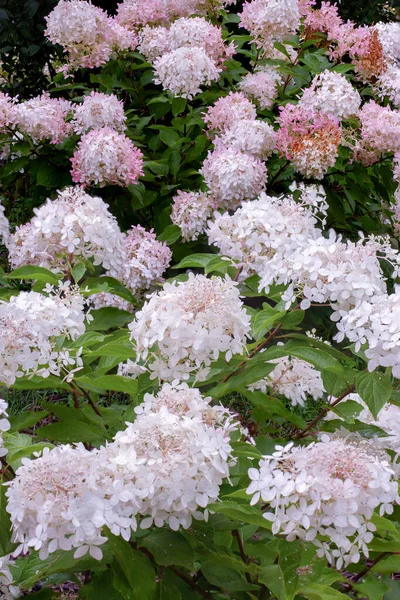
(187, 579)
(323, 412)
(282, 168)
(362, 573)
(236, 534)
(253, 353)
(7, 467)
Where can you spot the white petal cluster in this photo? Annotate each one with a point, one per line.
(186, 325)
(329, 488)
(375, 322)
(4, 227)
(44, 118)
(343, 273)
(191, 211)
(4, 426)
(389, 37)
(253, 137)
(270, 20)
(63, 231)
(332, 93)
(261, 235)
(233, 176)
(228, 110)
(166, 467)
(143, 260)
(98, 110)
(105, 299)
(185, 33)
(261, 86)
(185, 70)
(293, 378)
(388, 84)
(29, 326)
(8, 591)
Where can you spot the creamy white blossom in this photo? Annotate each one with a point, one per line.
(4, 426)
(98, 110)
(186, 325)
(329, 488)
(332, 93)
(254, 137)
(8, 591)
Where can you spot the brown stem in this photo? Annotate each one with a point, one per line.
(238, 272)
(253, 353)
(236, 534)
(76, 398)
(362, 573)
(323, 412)
(7, 467)
(75, 387)
(187, 579)
(282, 168)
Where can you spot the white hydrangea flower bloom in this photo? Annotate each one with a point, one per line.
(253, 137)
(261, 86)
(186, 325)
(185, 70)
(293, 378)
(332, 93)
(388, 84)
(4, 426)
(261, 234)
(72, 227)
(4, 227)
(191, 211)
(29, 326)
(8, 591)
(375, 322)
(389, 37)
(329, 488)
(98, 110)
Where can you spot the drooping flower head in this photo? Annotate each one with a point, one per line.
(191, 211)
(98, 110)
(329, 488)
(44, 118)
(72, 227)
(233, 176)
(29, 326)
(309, 139)
(229, 109)
(86, 33)
(106, 157)
(185, 70)
(186, 325)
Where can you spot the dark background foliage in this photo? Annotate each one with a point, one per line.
(24, 51)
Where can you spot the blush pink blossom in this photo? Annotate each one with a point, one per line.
(227, 110)
(106, 157)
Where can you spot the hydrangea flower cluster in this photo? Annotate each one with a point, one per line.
(270, 20)
(185, 33)
(98, 110)
(309, 139)
(134, 13)
(143, 260)
(191, 211)
(261, 86)
(261, 235)
(29, 326)
(186, 325)
(380, 132)
(8, 112)
(293, 378)
(329, 488)
(4, 227)
(63, 231)
(44, 118)
(253, 137)
(388, 85)
(167, 466)
(104, 156)
(86, 33)
(4, 426)
(389, 37)
(330, 92)
(228, 110)
(375, 322)
(185, 70)
(233, 176)
(7, 589)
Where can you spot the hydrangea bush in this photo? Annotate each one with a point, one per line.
(200, 306)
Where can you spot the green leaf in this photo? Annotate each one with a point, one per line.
(169, 548)
(225, 577)
(136, 569)
(244, 513)
(240, 381)
(174, 162)
(78, 272)
(108, 383)
(170, 235)
(94, 285)
(36, 273)
(26, 420)
(108, 318)
(69, 432)
(101, 587)
(178, 106)
(315, 591)
(375, 389)
(40, 383)
(169, 136)
(195, 260)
